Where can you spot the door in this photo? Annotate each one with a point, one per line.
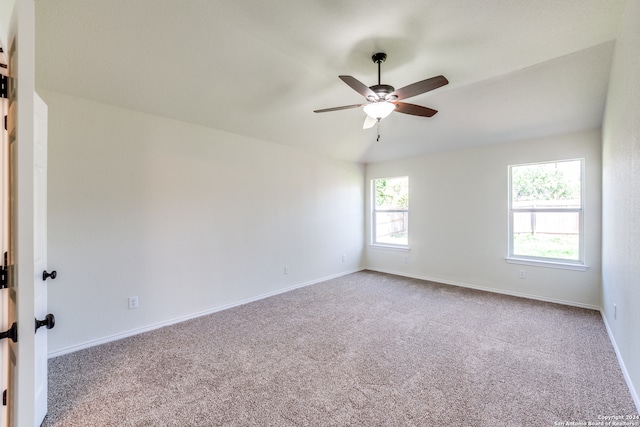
(9, 346)
(7, 304)
(5, 318)
(39, 262)
(10, 298)
(26, 406)
(4, 299)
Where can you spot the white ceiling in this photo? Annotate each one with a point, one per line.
(517, 69)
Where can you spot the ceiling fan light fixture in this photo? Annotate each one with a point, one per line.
(379, 110)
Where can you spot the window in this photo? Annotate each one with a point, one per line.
(390, 221)
(546, 212)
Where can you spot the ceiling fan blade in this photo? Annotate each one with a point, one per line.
(369, 122)
(344, 107)
(414, 110)
(418, 88)
(359, 87)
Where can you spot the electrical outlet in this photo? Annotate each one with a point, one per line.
(344, 258)
(522, 274)
(133, 302)
(405, 259)
(286, 270)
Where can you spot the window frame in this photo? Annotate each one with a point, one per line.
(375, 210)
(563, 263)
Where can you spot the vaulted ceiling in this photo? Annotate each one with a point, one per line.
(517, 69)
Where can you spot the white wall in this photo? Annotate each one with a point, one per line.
(621, 199)
(458, 219)
(188, 219)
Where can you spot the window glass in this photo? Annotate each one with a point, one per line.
(547, 185)
(547, 235)
(546, 211)
(390, 222)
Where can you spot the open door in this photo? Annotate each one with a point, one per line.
(4, 224)
(7, 301)
(8, 322)
(25, 368)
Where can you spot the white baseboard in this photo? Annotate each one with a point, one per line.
(486, 289)
(173, 321)
(625, 373)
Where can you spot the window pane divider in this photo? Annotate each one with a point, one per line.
(549, 210)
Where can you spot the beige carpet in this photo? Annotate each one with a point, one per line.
(367, 349)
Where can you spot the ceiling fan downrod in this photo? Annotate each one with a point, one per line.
(380, 90)
(379, 58)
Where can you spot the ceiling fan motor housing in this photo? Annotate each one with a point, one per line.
(382, 90)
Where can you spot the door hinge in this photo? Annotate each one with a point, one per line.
(4, 279)
(12, 333)
(4, 86)
(4, 398)
(7, 86)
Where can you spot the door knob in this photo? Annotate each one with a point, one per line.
(49, 321)
(46, 275)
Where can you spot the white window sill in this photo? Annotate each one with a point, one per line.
(390, 247)
(549, 264)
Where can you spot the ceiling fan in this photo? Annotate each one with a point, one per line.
(384, 99)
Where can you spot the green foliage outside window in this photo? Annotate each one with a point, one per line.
(545, 182)
(392, 193)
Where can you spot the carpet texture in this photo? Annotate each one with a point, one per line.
(367, 349)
